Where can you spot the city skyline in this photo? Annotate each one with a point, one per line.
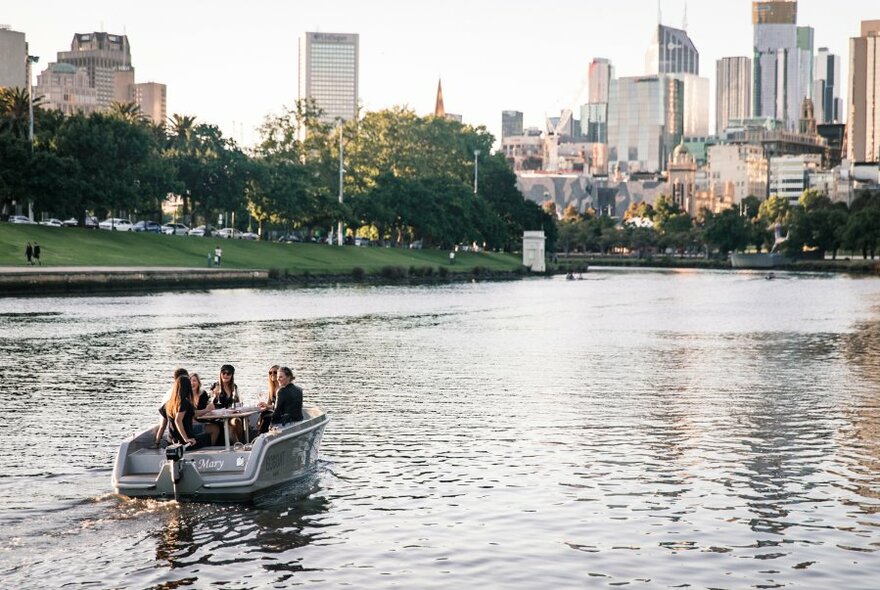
(492, 56)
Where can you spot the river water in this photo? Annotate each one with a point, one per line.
(634, 428)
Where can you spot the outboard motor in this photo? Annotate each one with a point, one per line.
(174, 454)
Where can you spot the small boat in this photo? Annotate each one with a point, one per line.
(224, 473)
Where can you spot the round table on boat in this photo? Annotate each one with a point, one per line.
(228, 414)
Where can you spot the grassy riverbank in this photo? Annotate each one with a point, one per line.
(81, 247)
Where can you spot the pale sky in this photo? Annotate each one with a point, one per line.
(232, 63)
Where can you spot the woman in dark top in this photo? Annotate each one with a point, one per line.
(225, 391)
(288, 399)
(181, 410)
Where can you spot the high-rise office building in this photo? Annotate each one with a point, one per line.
(782, 68)
(13, 59)
(328, 73)
(863, 122)
(695, 110)
(826, 87)
(152, 99)
(594, 114)
(806, 64)
(107, 61)
(672, 52)
(645, 121)
(733, 91)
(600, 74)
(511, 124)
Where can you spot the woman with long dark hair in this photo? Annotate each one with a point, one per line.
(181, 409)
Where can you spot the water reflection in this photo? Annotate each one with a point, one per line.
(574, 429)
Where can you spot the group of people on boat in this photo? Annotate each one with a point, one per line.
(186, 405)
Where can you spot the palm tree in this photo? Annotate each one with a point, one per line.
(182, 128)
(15, 110)
(127, 111)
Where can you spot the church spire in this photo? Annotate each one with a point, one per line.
(439, 111)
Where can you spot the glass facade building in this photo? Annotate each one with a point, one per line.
(782, 68)
(328, 73)
(826, 87)
(672, 52)
(733, 91)
(645, 121)
(511, 124)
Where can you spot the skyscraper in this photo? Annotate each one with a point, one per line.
(672, 52)
(826, 87)
(782, 66)
(151, 98)
(594, 114)
(328, 73)
(863, 122)
(13, 59)
(107, 60)
(645, 121)
(733, 91)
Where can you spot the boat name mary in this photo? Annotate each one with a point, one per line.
(209, 464)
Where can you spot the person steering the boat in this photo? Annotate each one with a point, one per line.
(181, 410)
(163, 423)
(288, 399)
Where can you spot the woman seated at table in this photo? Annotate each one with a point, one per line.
(181, 409)
(266, 407)
(288, 399)
(225, 395)
(225, 391)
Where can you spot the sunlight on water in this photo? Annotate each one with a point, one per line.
(650, 429)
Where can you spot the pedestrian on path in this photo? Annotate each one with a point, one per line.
(218, 253)
(37, 254)
(29, 252)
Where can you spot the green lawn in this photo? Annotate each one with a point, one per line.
(82, 247)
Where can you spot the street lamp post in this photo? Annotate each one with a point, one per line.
(476, 168)
(31, 59)
(339, 226)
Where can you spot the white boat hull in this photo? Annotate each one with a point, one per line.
(765, 260)
(218, 474)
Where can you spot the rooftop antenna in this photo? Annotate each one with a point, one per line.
(659, 13)
(684, 21)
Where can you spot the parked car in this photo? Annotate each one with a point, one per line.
(361, 241)
(248, 235)
(148, 226)
(19, 219)
(91, 222)
(291, 238)
(116, 224)
(52, 222)
(227, 232)
(201, 231)
(175, 229)
(72, 222)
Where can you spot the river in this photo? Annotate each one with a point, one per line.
(635, 428)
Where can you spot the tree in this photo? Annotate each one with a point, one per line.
(15, 107)
(725, 231)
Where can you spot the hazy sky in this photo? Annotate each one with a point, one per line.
(232, 63)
